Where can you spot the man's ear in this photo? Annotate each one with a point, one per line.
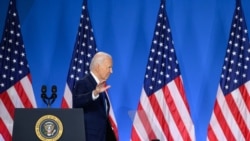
(98, 67)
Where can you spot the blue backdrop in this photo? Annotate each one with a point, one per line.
(124, 28)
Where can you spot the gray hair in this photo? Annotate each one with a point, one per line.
(98, 58)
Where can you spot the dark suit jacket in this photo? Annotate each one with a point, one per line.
(97, 125)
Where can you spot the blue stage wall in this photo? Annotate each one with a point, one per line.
(124, 28)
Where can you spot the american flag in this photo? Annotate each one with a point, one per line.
(84, 50)
(15, 80)
(230, 119)
(163, 112)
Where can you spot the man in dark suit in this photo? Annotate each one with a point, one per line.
(90, 94)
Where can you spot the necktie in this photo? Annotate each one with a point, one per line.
(105, 102)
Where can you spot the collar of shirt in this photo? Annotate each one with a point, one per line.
(96, 79)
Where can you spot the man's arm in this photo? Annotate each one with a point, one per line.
(82, 94)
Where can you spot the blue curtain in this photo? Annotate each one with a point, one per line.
(124, 28)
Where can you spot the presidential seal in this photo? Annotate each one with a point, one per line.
(49, 128)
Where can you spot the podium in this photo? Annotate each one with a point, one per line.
(48, 124)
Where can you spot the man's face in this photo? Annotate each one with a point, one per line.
(105, 69)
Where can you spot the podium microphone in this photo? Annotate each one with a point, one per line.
(54, 95)
(44, 95)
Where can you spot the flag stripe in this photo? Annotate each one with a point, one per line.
(112, 118)
(3, 130)
(134, 135)
(114, 125)
(216, 130)
(67, 98)
(236, 113)
(158, 111)
(212, 135)
(178, 102)
(148, 111)
(6, 117)
(26, 85)
(19, 89)
(7, 103)
(224, 117)
(245, 96)
(14, 98)
(140, 131)
(165, 94)
(146, 123)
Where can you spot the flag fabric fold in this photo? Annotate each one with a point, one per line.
(84, 50)
(15, 80)
(163, 112)
(230, 117)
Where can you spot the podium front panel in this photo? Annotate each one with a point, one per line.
(26, 123)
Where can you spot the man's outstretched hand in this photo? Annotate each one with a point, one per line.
(101, 87)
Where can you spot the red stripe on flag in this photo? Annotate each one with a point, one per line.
(245, 96)
(4, 131)
(145, 122)
(175, 113)
(22, 95)
(222, 122)
(134, 135)
(8, 103)
(179, 84)
(211, 135)
(64, 104)
(160, 116)
(112, 119)
(237, 115)
(114, 127)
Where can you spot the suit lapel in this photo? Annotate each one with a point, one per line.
(105, 101)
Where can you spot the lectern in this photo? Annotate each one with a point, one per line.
(48, 124)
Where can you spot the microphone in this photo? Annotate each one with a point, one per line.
(54, 89)
(44, 89)
(54, 95)
(44, 95)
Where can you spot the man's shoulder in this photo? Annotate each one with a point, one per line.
(86, 78)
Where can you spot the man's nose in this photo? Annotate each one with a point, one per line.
(111, 70)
